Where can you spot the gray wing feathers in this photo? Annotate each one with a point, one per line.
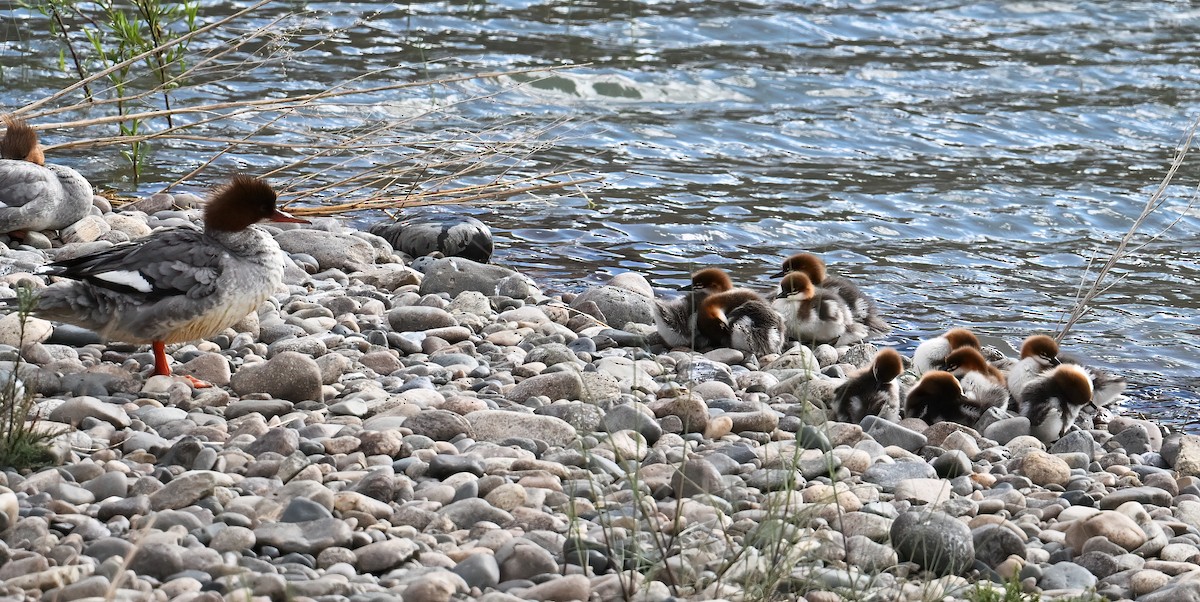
(192, 270)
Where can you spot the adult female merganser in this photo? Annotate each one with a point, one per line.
(1053, 401)
(179, 284)
(740, 319)
(931, 353)
(814, 316)
(676, 319)
(939, 397)
(980, 380)
(862, 307)
(872, 391)
(35, 195)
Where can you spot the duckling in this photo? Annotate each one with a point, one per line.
(676, 319)
(861, 306)
(740, 319)
(1039, 353)
(813, 316)
(872, 391)
(939, 397)
(1053, 401)
(931, 353)
(980, 380)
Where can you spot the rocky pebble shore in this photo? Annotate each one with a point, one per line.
(438, 429)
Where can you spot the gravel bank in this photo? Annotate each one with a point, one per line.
(438, 429)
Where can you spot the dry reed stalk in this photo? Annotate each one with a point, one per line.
(1085, 297)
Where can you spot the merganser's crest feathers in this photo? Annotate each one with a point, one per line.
(20, 142)
(244, 201)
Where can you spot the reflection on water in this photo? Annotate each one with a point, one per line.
(964, 161)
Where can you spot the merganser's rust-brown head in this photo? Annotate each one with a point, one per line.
(807, 263)
(20, 142)
(796, 284)
(710, 280)
(961, 337)
(1042, 347)
(887, 365)
(245, 201)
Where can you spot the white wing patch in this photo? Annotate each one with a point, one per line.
(133, 280)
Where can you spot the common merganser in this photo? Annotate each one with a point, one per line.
(814, 316)
(740, 319)
(34, 195)
(178, 284)
(862, 307)
(1039, 353)
(939, 397)
(931, 353)
(980, 380)
(676, 319)
(1053, 401)
(871, 391)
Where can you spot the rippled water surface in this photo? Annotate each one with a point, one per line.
(963, 161)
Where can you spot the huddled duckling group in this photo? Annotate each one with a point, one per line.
(957, 383)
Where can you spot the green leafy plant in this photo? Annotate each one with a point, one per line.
(22, 444)
(121, 38)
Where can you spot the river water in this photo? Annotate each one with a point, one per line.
(962, 161)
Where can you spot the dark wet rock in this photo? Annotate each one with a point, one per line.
(479, 570)
(444, 465)
(627, 417)
(995, 543)
(934, 541)
(449, 234)
(301, 510)
(889, 433)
